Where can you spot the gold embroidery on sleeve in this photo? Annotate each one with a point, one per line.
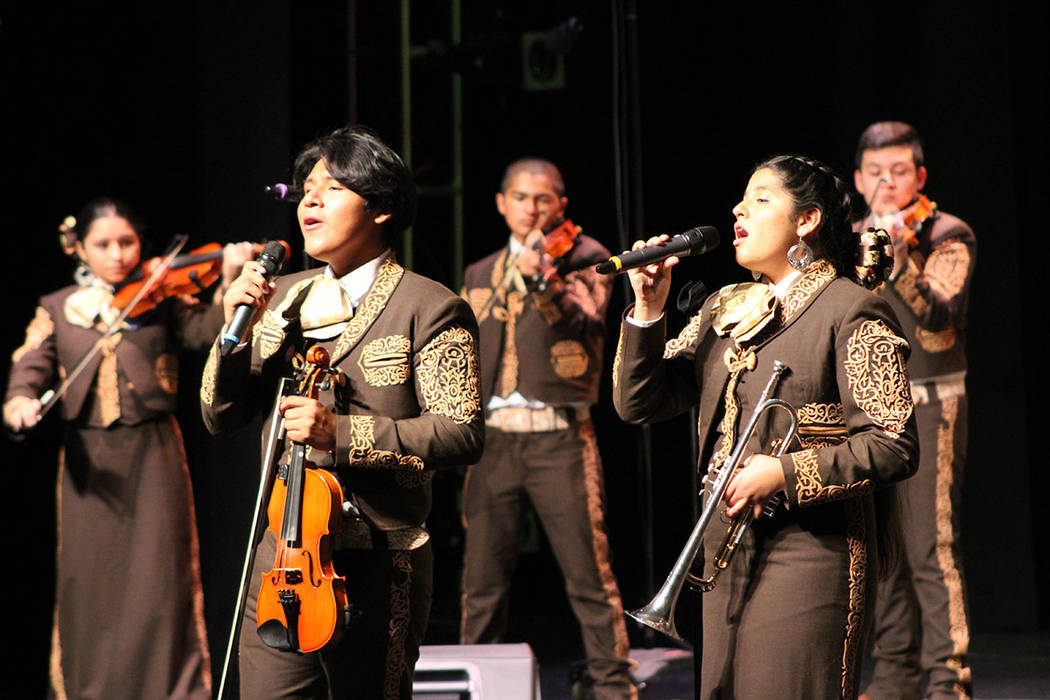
(947, 269)
(385, 361)
(362, 452)
(448, 376)
(877, 376)
(809, 484)
(211, 367)
(617, 361)
(38, 330)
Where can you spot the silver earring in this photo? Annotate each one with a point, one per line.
(800, 256)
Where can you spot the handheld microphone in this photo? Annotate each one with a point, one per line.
(270, 258)
(693, 242)
(284, 193)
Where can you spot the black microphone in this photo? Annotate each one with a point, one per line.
(693, 242)
(284, 193)
(270, 258)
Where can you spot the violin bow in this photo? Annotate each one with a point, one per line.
(266, 472)
(50, 397)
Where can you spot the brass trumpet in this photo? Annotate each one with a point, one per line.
(659, 613)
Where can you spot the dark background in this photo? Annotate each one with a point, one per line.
(189, 113)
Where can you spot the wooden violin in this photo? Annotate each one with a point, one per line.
(914, 216)
(302, 602)
(191, 273)
(556, 243)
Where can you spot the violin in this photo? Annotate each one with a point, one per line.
(556, 243)
(302, 602)
(191, 273)
(914, 216)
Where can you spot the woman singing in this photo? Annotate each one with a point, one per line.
(787, 618)
(128, 614)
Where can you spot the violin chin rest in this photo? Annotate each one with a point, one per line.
(275, 636)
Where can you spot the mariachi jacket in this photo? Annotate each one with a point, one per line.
(558, 333)
(408, 402)
(137, 370)
(847, 380)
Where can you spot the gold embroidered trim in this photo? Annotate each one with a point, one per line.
(400, 617)
(37, 332)
(362, 452)
(448, 375)
(509, 362)
(958, 627)
(936, 341)
(166, 369)
(909, 292)
(809, 484)
(618, 361)
(477, 298)
(211, 370)
(371, 306)
(737, 363)
(878, 377)
(569, 359)
(385, 361)
(856, 538)
(269, 333)
(816, 276)
(593, 484)
(947, 269)
(815, 415)
(685, 339)
(107, 384)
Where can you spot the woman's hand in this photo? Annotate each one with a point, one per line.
(251, 288)
(753, 484)
(651, 283)
(21, 413)
(307, 421)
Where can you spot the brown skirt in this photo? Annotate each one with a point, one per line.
(129, 616)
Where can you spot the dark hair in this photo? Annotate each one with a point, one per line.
(534, 166)
(73, 230)
(357, 158)
(886, 134)
(812, 184)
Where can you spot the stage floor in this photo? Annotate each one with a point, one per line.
(1005, 666)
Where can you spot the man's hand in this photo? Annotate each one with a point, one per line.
(308, 421)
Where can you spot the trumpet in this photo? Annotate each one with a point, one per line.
(659, 613)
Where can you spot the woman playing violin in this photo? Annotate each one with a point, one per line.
(128, 614)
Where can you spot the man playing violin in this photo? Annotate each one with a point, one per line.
(922, 614)
(405, 404)
(542, 330)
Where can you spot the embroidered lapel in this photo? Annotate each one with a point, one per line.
(387, 279)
